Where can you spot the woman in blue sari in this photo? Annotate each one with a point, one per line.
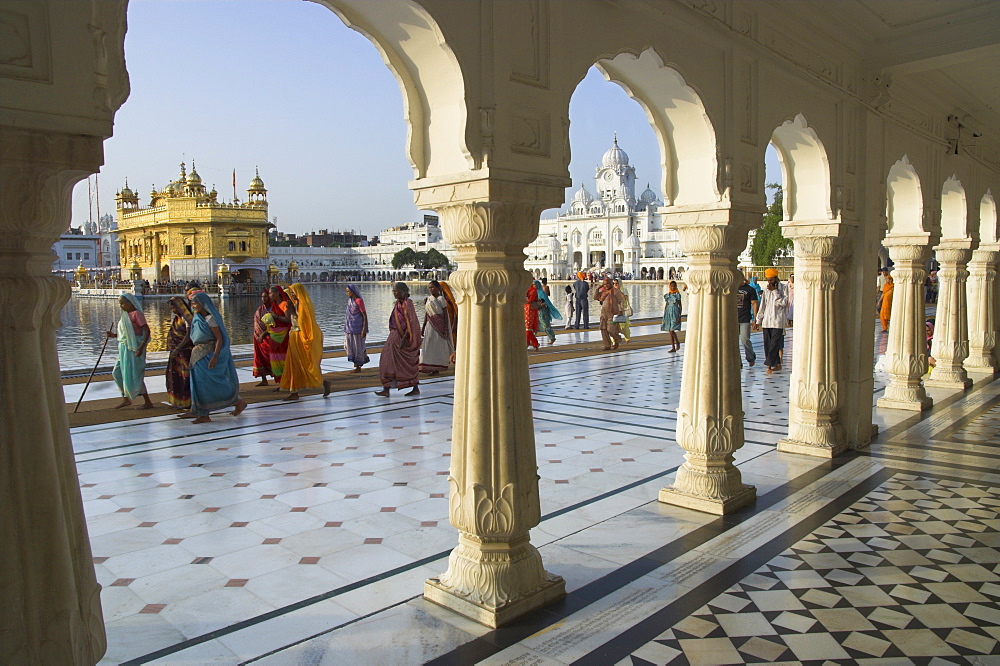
(546, 313)
(130, 368)
(214, 384)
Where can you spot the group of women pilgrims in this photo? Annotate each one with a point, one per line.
(287, 346)
(201, 375)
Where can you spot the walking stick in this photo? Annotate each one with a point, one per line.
(89, 379)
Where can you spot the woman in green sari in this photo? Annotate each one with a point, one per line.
(130, 368)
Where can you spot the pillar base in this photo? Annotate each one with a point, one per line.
(957, 384)
(553, 588)
(718, 507)
(909, 405)
(807, 449)
(980, 368)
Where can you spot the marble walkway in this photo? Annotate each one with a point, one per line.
(302, 533)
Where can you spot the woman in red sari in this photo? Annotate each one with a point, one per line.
(179, 362)
(261, 353)
(278, 322)
(531, 316)
(400, 357)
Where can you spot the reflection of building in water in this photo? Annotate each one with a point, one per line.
(610, 229)
(186, 232)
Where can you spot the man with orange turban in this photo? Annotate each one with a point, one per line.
(581, 288)
(772, 316)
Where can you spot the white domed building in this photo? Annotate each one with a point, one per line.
(611, 229)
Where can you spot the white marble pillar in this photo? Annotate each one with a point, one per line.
(906, 354)
(495, 574)
(982, 309)
(814, 395)
(951, 333)
(50, 611)
(710, 412)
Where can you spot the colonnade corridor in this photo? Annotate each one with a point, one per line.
(303, 533)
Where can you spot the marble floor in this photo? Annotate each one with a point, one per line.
(302, 533)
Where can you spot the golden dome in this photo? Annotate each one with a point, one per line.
(193, 178)
(256, 185)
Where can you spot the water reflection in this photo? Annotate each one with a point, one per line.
(84, 320)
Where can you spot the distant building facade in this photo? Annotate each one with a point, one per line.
(611, 229)
(186, 233)
(94, 245)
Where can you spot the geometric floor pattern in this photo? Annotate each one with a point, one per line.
(912, 571)
(303, 533)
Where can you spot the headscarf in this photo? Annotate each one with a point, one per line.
(581, 276)
(274, 306)
(310, 333)
(192, 288)
(544, 298)
(770, 273)
(126, 332)
(182, 303)
(357, 292)
(200, 330)
(452, 308)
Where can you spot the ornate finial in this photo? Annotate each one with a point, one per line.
(616, 138)
(192, 164)
(256, 171)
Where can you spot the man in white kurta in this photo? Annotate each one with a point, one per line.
(772, 317)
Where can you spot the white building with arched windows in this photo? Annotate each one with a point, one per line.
(609, 229)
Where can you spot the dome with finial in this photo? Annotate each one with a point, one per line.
(126, 192)
(256, 185)
(193, 178)
(649, 196)
(183, 177)
(615, 157)
(583, 196)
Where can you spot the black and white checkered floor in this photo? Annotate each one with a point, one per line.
(912, 570)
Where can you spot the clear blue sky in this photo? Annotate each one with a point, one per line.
(286, 87)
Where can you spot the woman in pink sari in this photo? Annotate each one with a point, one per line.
(400, 359)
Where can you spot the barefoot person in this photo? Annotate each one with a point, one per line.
(261, 352)
(772, 316)
(179, 361)
(214, 384)
(355, 328)
(278, 324)
(305, 345)
(438, 343)
(672, 314)
(130, 368)
(401, 352)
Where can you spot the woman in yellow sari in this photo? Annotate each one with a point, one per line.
(305, 345)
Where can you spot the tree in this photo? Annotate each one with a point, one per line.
(769, 242)
(405, 257)
(436, 260)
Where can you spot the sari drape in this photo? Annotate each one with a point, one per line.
(130, 370)
(277, 335)
(179, 363)
(400, 357)
(211, 388)
(437, 347)
(305, 345)
(261, 351)
(354, 326)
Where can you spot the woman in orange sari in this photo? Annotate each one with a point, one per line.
(305, 345)
(400, 359)
(886, 310)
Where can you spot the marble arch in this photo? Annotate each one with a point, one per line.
(429, 76)
(989, 231)
(954, 210)
(805, 170)
(678, 116)
(904, 199)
